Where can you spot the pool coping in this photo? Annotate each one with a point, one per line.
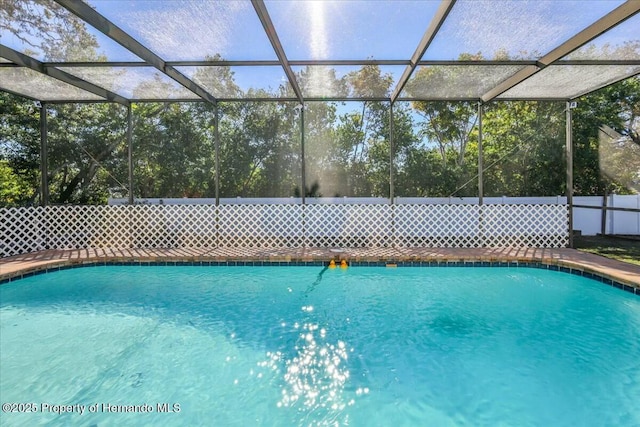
(609, 271)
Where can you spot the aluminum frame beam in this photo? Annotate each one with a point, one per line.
(480, 156)
(130, 153)
(265, 19)
(216, 137)
(303, 171)
(231, 63)
(392, 188)
(108, 28)
(337, 63)
(569, 157)
(44, 156)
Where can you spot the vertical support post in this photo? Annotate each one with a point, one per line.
(303, 178)
(216, 133)
(480, 158)
(391, 156)
(603, 214)
(130, 151)
(44, 157)
(480, 178)
(569, 155)
(391, 177)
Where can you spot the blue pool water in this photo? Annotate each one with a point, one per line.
(238, 346)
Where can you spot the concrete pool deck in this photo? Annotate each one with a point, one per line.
(563, 258)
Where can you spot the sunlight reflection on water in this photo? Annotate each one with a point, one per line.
(314, 380)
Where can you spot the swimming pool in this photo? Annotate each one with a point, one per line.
(184, 345)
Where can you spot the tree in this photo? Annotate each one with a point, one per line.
(523, 148)
(173, 155)
(49, 29)
(616, 107)
(447, 127)
(362, 137)
(19, 149)
(15, 189)
(325, 163)
(424, 175)
(87, 152)
(347, 149)
(255, 151)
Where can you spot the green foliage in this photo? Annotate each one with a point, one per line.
(616, 107)
(87, 153)
(49, 30)
(19, 150)
(524, 143)
(172, 155)
(259, 149)
(347, 146)
(15, 189)
(445, 131)
(425, 175)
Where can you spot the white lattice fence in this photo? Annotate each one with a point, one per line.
(348, 225)
(112, 227)
(22, 230)
(525, 225)
(194, 226)
(75, 227)
(437, 226)
(173, 226)
(70, 227)
(25, 230)
(260, 226)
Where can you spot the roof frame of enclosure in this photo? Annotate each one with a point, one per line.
(605, 23)
(89, 15)
(487, 79)
(427, 38)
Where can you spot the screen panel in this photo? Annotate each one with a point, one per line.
(524, 149)
(455, 81)
(381, 29)
(347, 149)
(436, 150)
(33, 84)
(47, 31)
(569, 81)
(178, 30)
(241, 81)
(341, 81)
(260, 154)
(133, 82)
(526, 29)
